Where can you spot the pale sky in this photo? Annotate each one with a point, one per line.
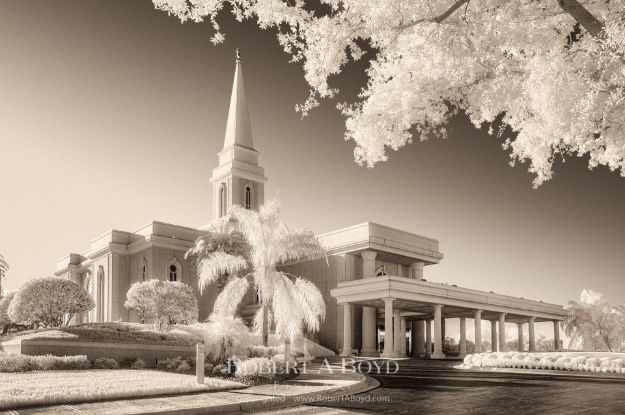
(111, 115)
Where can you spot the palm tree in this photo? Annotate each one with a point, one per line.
(290, 303)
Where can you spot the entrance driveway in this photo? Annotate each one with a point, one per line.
(434, 387)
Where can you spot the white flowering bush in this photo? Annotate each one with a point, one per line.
(49, 302)
(574, 361)
(163, 303)
(224, 337)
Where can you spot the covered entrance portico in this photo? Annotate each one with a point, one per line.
(421, 307)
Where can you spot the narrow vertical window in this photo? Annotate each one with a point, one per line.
(173, 273)
(248, 197)
(144, 271)
(222, 200)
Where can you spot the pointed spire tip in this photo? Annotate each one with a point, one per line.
(238, 55)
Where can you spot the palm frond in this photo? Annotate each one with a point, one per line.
(231, 296)
(301, 244)
(217, 264)
(312, 304)
(287, 309)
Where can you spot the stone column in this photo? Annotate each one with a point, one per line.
(397, 333)
(347, 330)
(478, 331)
(530, 330)
(416, 270)
(443, 329)
(418, 338)
(493, 336)
(502, 332)
(428, 338)
(402, 336)
(438, 345)
(463, 337)
(521, 346)
(556, 335)
(388, 328)
(369, 314)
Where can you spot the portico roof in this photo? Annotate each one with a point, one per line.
(391, 244)
(416, 297)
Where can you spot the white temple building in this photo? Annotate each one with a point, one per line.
(373, 282)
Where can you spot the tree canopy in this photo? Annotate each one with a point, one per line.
(162, 303)
(593, 324)
(547, 78)
(49, 301)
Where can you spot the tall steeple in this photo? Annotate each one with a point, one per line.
(238, 180)
(238, 128)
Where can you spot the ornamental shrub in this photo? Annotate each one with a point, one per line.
(49, 302)
(177, 365)
(163, 303)
(105, 363)
(24, 363)
(138, 365)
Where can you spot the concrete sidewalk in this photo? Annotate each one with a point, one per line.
(320, 383)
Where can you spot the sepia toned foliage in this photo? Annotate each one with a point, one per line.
(163, 303)
(49, 302)
(593, 324)
(289, 304)
(546, 78)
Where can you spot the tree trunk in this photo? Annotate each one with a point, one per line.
(582, 16)
(265, 328)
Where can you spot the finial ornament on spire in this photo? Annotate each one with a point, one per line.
(238, 54)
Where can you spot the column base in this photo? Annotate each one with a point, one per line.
(369, 353)
(392, 355)
(346, 353)
(462, 355)
(437, 355)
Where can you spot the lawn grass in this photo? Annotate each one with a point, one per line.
(111, 332)
(57, 387)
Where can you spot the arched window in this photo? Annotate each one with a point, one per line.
(143, 269)
(173, 273)
(248, 196)
(100, 294)
(88, 286)
(222, 199)
(174, 270)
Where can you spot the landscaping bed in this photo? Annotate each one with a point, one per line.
(112, 332)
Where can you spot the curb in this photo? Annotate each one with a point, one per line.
(544, 372)
(270, 402)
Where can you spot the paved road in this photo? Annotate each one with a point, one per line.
(429, 387)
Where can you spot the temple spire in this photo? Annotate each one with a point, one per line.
(238, 128)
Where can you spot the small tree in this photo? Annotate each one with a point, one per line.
(5, 321)
(593, 323)
(49, 302)
(163, 303)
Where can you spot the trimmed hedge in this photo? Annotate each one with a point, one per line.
(23, 363)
